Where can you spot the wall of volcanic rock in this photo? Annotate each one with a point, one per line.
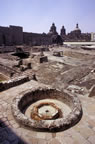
(36, 39)
(16, 35)
(5, 36)
(12, 35)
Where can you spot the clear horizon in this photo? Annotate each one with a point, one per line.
(38, 15)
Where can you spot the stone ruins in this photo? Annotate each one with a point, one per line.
(47, 87)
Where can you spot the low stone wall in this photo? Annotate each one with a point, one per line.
(4, 49)
(13, 82)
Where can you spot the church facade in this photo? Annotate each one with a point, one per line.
(14, 35)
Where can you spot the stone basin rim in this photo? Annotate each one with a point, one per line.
(64, 123)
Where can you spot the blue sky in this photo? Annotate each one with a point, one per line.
(38, 15)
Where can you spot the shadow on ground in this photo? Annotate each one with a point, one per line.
(7, 136)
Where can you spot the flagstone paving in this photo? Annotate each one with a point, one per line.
(12, 132)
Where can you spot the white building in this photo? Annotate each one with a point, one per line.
(92, 36)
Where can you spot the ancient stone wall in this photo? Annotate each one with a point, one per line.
(17, 35)
(13, 82)
(36, 39)
(5, 34)
(12, 35)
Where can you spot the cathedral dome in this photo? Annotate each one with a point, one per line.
(77, 27)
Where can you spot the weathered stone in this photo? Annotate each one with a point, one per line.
(54, 141)
(14, 82)
(45, 93)
(92, 92)
(80, 133)
(91, 139)
(43, 59)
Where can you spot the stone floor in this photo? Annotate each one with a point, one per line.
(13, 133)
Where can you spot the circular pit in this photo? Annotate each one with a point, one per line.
(47, 109)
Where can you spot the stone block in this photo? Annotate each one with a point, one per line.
(43, 59)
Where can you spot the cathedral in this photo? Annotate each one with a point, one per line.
(14, 35)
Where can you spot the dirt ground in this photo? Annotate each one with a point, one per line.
(73, 72)
(73, 68)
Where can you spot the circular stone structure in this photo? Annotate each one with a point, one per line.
(46, 108)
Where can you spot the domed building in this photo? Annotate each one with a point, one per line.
(55, 38)
(76, 31)
(52, 30)
(75, 35)
(77, 28)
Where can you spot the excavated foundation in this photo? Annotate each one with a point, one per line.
(47, 109)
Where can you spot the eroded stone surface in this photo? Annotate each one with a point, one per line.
(65, 109)
(45, 111)
(74, 135)
(44, 92)
(13, 82)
